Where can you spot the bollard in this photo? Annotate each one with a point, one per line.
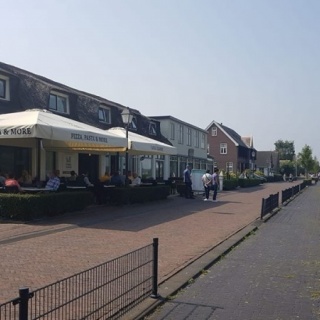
(221, 181)
(154, 293)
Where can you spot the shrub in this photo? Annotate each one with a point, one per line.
(230, 184)
(139, 194)
(31, 206)
(244, 183)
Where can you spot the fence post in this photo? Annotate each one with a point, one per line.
(262, 208)
(23, 303)
(155, 268)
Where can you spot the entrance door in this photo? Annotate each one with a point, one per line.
(89, 163)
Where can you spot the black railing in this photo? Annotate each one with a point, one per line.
(286, 194)
(107, 291)
(269, 204)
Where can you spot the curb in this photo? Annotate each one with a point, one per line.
(188, 274)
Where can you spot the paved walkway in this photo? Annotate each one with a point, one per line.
(42, 252)
(272, 275)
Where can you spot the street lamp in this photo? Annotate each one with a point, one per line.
(126, 119)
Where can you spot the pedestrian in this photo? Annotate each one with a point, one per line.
(215, 184)
(284, 177)
(207, 182)
(188, 183)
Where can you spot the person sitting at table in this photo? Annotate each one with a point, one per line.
(136, 181)
(73, 176)
(25, 179)
(54, 182)
(12, 182)
(116, 180)
(87, 181)
(2, 179)
(105, 177)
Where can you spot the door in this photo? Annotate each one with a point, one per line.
(89, 163)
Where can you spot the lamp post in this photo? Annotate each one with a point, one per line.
(126, 119)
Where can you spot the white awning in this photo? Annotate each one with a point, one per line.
(141, 145)
(58, 132)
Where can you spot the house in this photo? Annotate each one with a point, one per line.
(21, 90)
(191, 144)
(230, 151)
(268, 162)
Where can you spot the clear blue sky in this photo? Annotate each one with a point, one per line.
(253, 65)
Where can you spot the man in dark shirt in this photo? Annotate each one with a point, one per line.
(188, 182)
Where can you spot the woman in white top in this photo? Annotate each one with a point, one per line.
(207, 181)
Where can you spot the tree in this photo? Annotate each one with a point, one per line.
(287, 167)
(285, 149)
(306, 160)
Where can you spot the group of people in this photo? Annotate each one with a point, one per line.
(120, 180)
(210, 182)
(9, 180)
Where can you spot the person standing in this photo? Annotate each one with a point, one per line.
(207, 181)
(215, 184)
(188, 183)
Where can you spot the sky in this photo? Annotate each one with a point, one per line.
(252, 65)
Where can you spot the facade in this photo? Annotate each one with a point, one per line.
(21, 90)
(268, 162)
(231, 152)
(191, 144)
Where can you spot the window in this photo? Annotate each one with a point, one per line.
(152, 129)
(133, 123)
(202, 140)
(223, 148)
(229, 166)
(104, 114)
(4, 88)
(180, 134)
(214, 131)
(197, 142)
(172, 131)
(59, 102)
(189, 137)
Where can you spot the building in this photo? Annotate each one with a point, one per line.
(22, 90)
(191, 144)
(230, 151)
(268, 162)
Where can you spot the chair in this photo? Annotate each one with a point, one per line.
(11, 189)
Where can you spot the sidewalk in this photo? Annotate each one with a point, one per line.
(272, 275)
(42, 252)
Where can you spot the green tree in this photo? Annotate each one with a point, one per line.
(285, 149)
(305, 159)
(287, 167)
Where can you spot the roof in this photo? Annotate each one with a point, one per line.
(264, 158)
(233, 135)
(176, 120)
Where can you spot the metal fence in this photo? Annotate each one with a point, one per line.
(286, 195)
(269, 204)
(107, 291)
(272, 202)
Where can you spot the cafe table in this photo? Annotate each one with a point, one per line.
(35, 189)
(76, 187)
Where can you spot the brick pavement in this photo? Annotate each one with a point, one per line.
(42, 252)
(272, 275)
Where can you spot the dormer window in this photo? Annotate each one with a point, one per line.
(4, 88)
(152, 129)
(59, 102)
(133, 123)
(214, 131)
(104, 114)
